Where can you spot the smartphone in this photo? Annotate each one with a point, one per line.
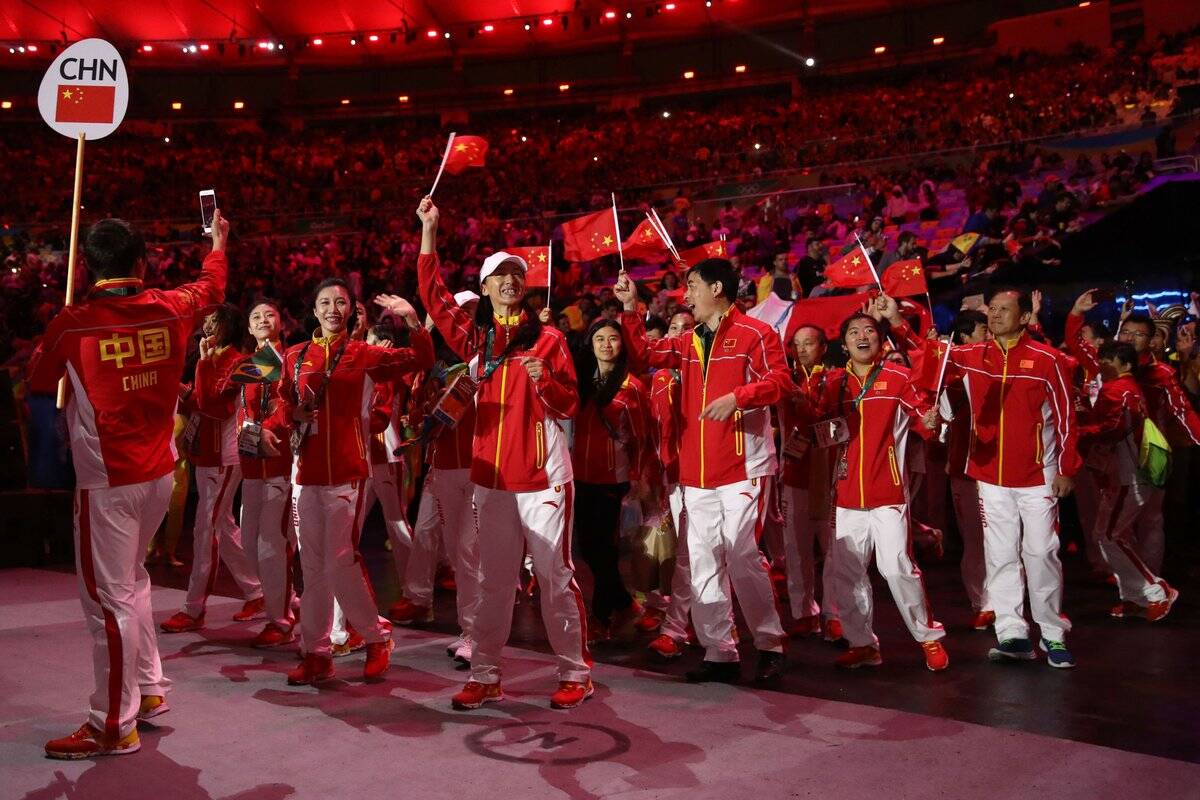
(208, 204)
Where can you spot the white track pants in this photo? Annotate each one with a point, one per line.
(540, 523)
(112, 530)
(964, 493)
(215, 534)
(799, 533)
(1020, 546)
(1121, 507)
(387, 485)
(446, 514)
(267, 533)
(679, 610)
(723, 527)
(884, 530)
(330, 524)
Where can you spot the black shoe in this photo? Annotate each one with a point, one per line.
(770, 667)
(715, 672)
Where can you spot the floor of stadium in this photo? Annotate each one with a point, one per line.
(1123, 721)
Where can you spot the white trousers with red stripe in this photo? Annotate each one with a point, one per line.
(330, 524)
(214, 534)
(268, 535)
(723, 528)
(1020, 548)
(387, 485)
(1121, 508)
(964, 493)
(883, 530)
(113, 527)
(800, 531)
(447, 515)
(679, 610)
(538, 523)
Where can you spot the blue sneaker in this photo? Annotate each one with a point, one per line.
(1013, 650)
(1057, 654)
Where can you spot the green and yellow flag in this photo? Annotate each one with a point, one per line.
(262, 367)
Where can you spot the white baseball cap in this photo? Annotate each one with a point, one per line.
(493, 262)
(465, 296)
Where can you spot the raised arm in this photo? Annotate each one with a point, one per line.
(209, 289)
(454, 324)
(664, 353)
(1073, 333)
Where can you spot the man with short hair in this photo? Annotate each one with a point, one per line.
(122, 351)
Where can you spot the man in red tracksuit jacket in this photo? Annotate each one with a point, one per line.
(122, 351)
(1023, 456)
(732, 370)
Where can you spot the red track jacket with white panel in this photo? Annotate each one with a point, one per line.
(795, 411)
(596, 455)
(389, 404)
(123, 357)
(664, 428)
(336, 449)
(1110, 432)
(746, 359)
(249, 398)
(215, 401)
(1022, 411)
(519, 444)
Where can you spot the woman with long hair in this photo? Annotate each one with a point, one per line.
(521, 467)
(212, 422)
(610, 442)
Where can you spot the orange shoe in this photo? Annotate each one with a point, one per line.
(251, 610)
(88, 742)
(856, 657)
(181, 622)
(650, 621)
(273, 636)
(312, 670)
(806, 626)
(378, 659)
(406, 612)
(1160, 608)
(354, 642)
(152, 705)
(983, 620)
(936, 657)
(475, 694)
(665, 646)
(833, 630)
(571, 694)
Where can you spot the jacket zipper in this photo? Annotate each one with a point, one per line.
(1000, 442)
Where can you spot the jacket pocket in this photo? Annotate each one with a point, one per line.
(1037, 445)
(362, 453)
(739, 434)
(894, 467)
(539, 445)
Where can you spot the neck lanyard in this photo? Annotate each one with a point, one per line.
(330, 366)
(870, 381)
(490, 365)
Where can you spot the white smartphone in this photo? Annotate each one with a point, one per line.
(208, 204)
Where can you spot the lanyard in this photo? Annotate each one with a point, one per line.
(491, 364)
(319, 394)
(867, 384)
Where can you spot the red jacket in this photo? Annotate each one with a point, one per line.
(249, 398)
(879, 425)
(123, 357)
(1111, 431)
(599, 458)
(215, 403)
(664, 428)
(746, 359)
(335, 450)
(1022, 412)
(388, 406)
(519, 444)
(795, 412)
(451, 448)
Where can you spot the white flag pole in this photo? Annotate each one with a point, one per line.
(662, 231)
(942, 372)
(617, 231)
(549, 275)
(445, 156)
(867, 256)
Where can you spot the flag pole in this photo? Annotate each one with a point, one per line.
(445, 157)
(549, 274)
(942, 372)
(867, 256)
(662, 231)
(73, 250)
(617, 232)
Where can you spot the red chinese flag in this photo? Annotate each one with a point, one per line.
(644, 242)
(590, 236)
(904, 278)
(85, 103)
(826, 312)
(717, 249)
(538, 259)
(466, 151)
(850, 271)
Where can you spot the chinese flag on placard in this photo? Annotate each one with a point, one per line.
(904, 278)
(466, 151)
(644, 242)
(538, 259)
(717, 249)
(590, 236)
(85, 103)
(850, 271)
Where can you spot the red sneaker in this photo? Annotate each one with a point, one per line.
(857, 657)
(378, 659)
(936, 657)
(312, 670)
(983, 620)
(445, 579)
(665, 646)
(571, 694)
(353, 644)
(181, 622)
(273, 636)
(833, 630)
(806, 626)
(1160, 608)
(475, 694)
(1127, 609)
(251, 610)
(651, 620)
(406, 612)
(88, 742)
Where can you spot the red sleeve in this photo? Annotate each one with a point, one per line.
(452, 322)
(210, 397)
(207, 290)
(391, 363)
(664, 353)
(557, 388)
(1164, 380)
(1105, 421)
(1062, 407)
(771, 379)
(48, 363)
(906, 340)
(1077, 346)
(381, 407)
(639, 426)
(915, 403)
